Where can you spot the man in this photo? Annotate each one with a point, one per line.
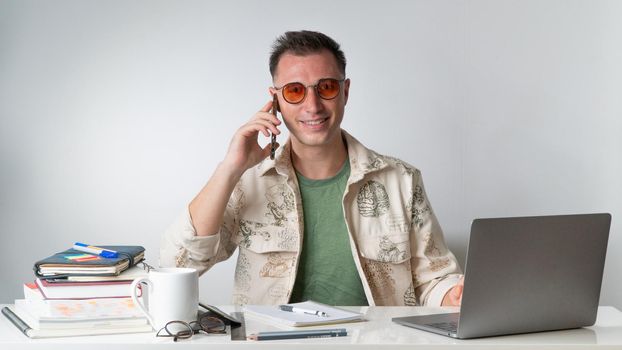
(328, 219)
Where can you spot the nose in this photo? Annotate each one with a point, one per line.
(313, 102)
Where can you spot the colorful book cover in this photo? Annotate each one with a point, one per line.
(79, 309)
(83, 290)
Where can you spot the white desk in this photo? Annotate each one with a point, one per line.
(378, 332)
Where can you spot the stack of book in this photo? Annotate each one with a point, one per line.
(76, 293)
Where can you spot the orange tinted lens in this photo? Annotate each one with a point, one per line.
(294, 92)
(328, 88)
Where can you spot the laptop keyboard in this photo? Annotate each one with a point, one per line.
(446, 326)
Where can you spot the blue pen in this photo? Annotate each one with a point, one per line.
(104, 253)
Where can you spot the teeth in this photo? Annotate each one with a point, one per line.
(315, 122)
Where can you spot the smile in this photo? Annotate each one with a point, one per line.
(314, 122)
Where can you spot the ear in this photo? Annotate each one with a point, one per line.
(346, 90)
(272, 91)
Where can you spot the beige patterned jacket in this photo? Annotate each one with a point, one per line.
(396, 240)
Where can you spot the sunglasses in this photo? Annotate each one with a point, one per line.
(185, 330)
(327, 89)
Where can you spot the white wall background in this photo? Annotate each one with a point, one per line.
(113, 114)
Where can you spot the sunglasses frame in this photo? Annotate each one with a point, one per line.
(314, 86)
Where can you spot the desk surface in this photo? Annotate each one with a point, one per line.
(377, 330)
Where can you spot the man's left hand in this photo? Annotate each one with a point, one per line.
(454, 296)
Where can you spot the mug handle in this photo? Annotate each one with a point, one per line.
(137, 302)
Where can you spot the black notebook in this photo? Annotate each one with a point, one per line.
(73, 262)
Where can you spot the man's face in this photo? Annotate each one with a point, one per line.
(314, 122)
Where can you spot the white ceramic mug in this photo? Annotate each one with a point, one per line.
(172, 295)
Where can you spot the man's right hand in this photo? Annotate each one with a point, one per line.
(208, 207)
(244, 150)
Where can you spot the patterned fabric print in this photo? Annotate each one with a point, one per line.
(406, 169)
(280, 203)
(354, 163)
(278, 292)
(439, 264)
(397, 223)
(242, 274)
(287, 239)
(276, 266)
(238, 200)
(416, 281)
(181, 260)
(228, 245)
(248, 229)
(418, 198)
(410, 298)
(432, 252)
(378, 276)
(418, 207)
(373, 199)
(373, 163)
(284, 161)
(240, 299)
(389, 251)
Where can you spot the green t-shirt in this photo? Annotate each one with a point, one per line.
(326, 271)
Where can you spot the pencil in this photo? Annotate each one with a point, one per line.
(312, 333)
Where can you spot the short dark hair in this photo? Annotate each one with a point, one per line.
(303, 43)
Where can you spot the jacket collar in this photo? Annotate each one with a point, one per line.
(362, 160)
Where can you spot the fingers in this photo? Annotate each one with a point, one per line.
(251, 129)
(453, 297)
(456, 292)
(264, 121)
(266, 126)
(265, 113)
(244, 149)
(267, 107)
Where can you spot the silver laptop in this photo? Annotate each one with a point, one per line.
(527, 274)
